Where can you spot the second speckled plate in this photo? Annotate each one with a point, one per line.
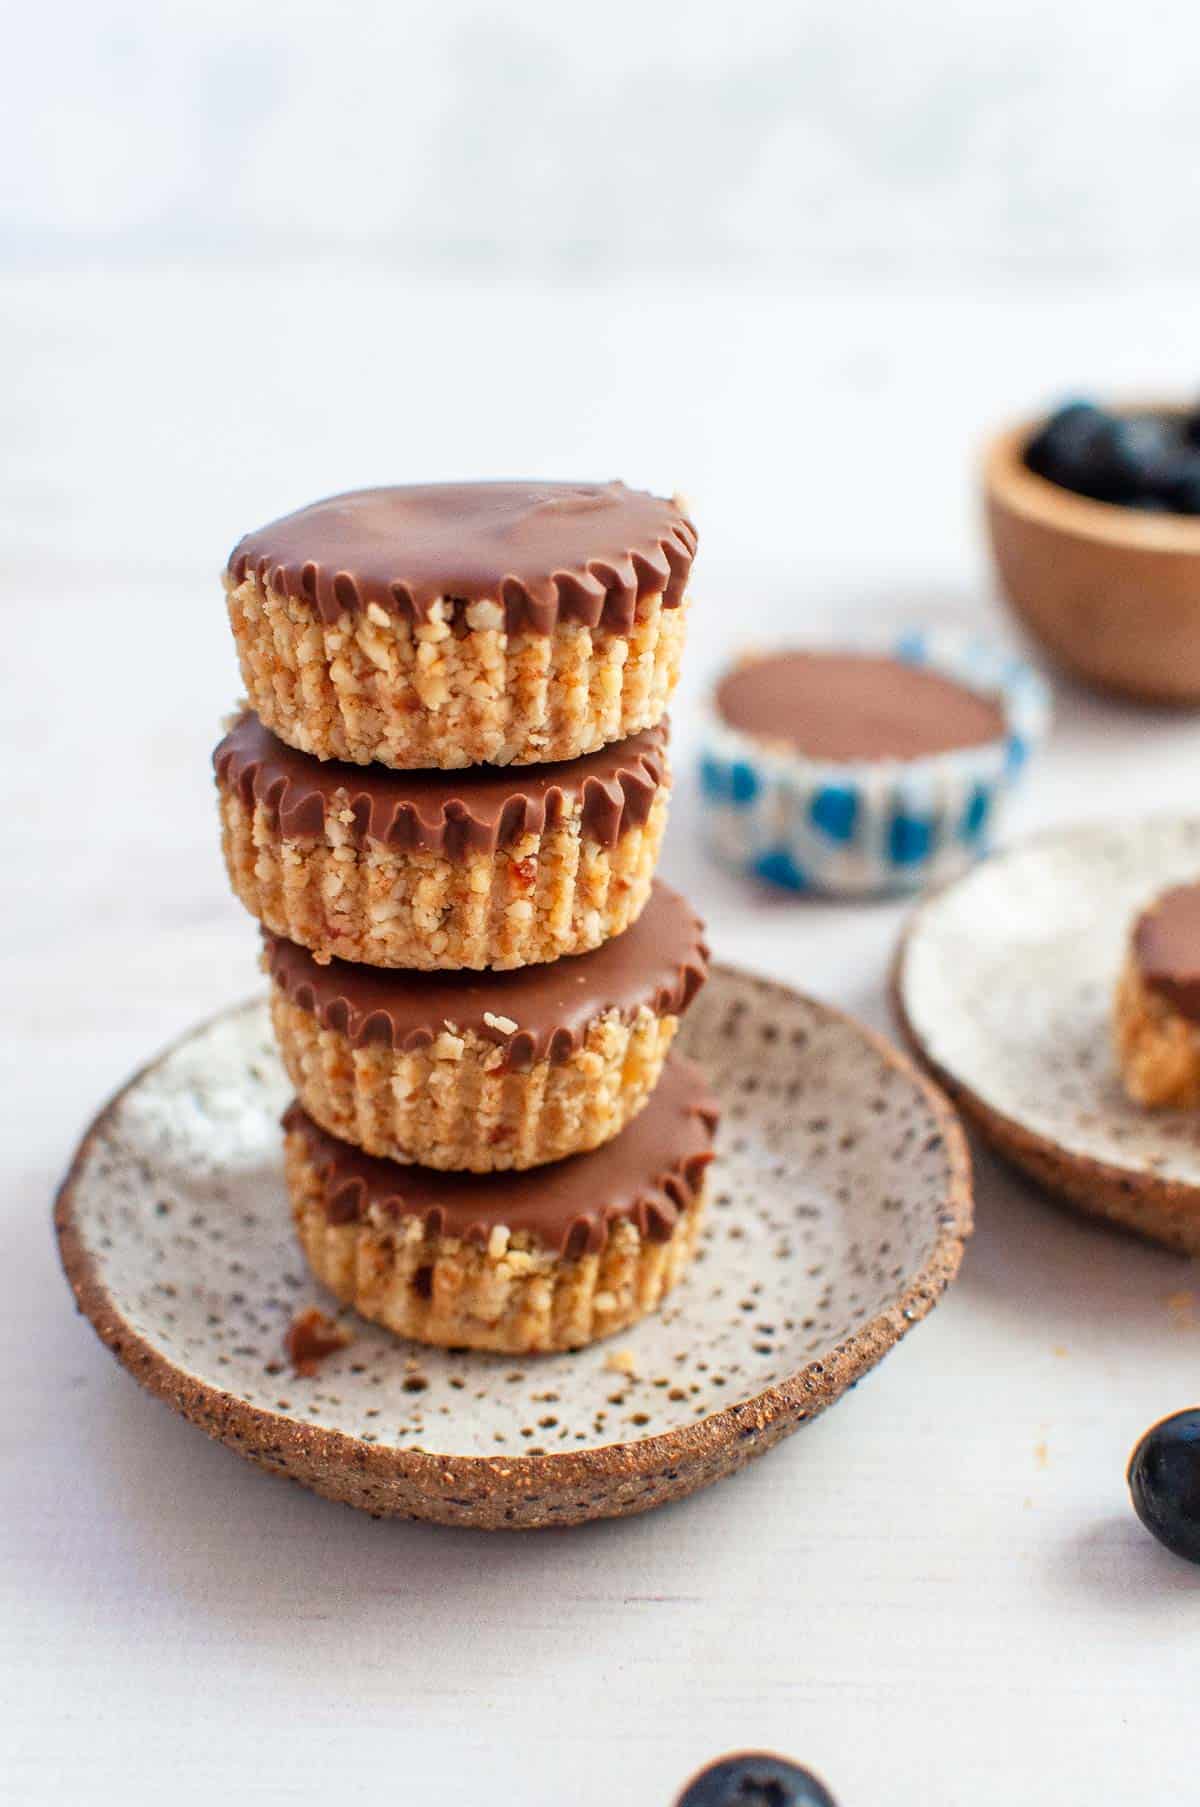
(1004, 986)
(839, 1203)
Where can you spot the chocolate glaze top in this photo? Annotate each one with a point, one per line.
(661, 962)
(845, 706)
(549, 552)
(649, 1174)
(1166, 947)
(454, 813)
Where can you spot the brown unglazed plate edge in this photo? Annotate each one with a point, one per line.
(1132, 1199)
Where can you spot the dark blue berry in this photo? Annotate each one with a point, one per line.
(1185, 497)
(1164, 1479)
(1148, 443)
(755, 1779)
(1191, 427)
(1086, 450)
(1059, 440)
(1179, 485)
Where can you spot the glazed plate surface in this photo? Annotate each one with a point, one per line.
(1004, 986)
(838, 1205)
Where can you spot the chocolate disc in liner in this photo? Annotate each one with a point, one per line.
(1166, 948)
(475, 809)
(848, 706)
(545, 552)
(649, 1175)
(532, 1012)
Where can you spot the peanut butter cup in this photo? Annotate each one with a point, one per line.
(849, 706)
(864, 769)
(499, 1070)
(453, 624)
(551, 1259)
(1157, 1021)
(1166, 946)
(440, 870)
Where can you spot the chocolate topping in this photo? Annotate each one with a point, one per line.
(649, 1174)
(475, 809)
(662, 962)
(843, 706)
(549, 552)
(1166, 947)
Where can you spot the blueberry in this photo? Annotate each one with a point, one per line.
(1058, 442)
(1191, 427)
(1148, 442)
(1164, 1479)
(1093, 453)
(755, 1779)
(1185, 497)
(1179, 485)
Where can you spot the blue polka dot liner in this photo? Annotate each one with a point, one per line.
(869, 827)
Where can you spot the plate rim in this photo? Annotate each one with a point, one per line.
(1118, 1187)
(617, 1477)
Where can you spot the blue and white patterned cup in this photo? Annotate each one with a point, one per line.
(874, 826)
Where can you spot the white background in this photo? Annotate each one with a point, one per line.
(794, 260)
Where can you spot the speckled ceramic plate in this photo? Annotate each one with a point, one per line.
(1004, 986)
(839, 1202)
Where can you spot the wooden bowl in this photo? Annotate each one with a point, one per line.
(1111, 593)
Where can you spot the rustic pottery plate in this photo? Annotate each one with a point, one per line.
(1004, 986)
(839, 1203)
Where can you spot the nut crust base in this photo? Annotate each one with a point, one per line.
(454, 1105)
(541, 898)
(454, 690)
(1158, 1049)
(514, 1296)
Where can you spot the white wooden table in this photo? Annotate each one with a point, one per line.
(935, 1594)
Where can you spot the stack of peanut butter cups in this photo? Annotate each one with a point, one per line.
(444, 804)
